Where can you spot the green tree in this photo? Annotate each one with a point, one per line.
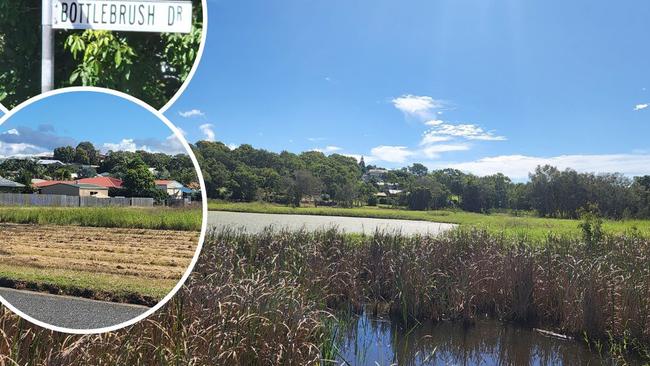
(86, 172)
(85, 153)
(115, 163)
(64, 154)
(419, 199)
(138, 180)
(418, 170)
(63, 173)
(149, 66)
(244, 184)
(303, 184)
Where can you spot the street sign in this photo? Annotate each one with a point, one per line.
(166, 16)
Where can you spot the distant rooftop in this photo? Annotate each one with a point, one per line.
(10, 184)
(50, 162)
(80, 185)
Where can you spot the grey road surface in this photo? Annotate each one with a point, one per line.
(70, 312)
(254, 223)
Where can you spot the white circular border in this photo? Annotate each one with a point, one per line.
(204, 198)
(181, 90)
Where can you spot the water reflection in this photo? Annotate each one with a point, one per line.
(371, 341)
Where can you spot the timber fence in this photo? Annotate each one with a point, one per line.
(53, 200)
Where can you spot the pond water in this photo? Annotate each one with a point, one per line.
(372, 341)
(255, 223)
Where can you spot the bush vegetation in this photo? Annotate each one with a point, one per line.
(249, 174)
(138, 170)
(269, 298)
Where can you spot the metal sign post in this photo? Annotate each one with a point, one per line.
(160, 16)
(47, 49)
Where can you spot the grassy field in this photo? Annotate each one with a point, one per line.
(115, 264)
(109, 217)
(498, 223)
(269, 298)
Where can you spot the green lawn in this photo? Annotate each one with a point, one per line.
(496, 223)
(112, 217)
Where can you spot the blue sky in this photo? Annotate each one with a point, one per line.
(495, 85)
(483, 86)
(109, 122)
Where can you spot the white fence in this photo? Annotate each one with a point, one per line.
(53, 200)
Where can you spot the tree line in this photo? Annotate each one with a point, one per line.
(138, 170)
(248, 174)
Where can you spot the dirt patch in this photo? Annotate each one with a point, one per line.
(154, 257)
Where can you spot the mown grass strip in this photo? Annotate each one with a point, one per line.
(104, 287)
(111, 217)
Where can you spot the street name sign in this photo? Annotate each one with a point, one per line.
(165, 16)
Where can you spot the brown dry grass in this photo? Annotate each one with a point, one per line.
(266, 299)
(72, 258)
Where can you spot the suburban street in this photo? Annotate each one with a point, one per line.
(254, 223)
(71, 312)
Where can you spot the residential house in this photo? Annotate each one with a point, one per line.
(50, 162)
(7, 186)
(73, 189)
(375, 174)
(173, 188)
(107, 182)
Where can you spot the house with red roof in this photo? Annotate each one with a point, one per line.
(46, 183)
(107, 182)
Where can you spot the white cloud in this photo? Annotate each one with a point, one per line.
(13, 131)
(19, 149)
(172, 145)
(328, 149)
(518, 166)
(391, 154)
(415, 105)
(208, 131)
(434, 151)
(125, 145)
(432, 138)
(232, 146)
(315, 139)
(191, 113)
(466, 131)
(639, 107)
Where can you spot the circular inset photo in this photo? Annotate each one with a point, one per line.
(147, 49)
(102, 210)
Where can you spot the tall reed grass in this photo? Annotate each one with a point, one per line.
(111, 217)
(268, 298)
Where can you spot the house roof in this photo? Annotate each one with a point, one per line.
(8, 183)
(105, 182)
(168, 183)
(47, 183)
(49, 162)
(108, 182)
(80, 185)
